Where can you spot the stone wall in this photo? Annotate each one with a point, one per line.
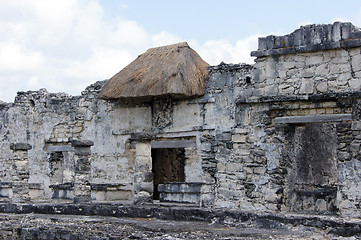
(288, 93)
(283, 134)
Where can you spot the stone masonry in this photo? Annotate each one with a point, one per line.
(282, 135)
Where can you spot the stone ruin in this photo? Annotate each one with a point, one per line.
(282, 136)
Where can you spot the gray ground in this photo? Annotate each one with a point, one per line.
(37, 226)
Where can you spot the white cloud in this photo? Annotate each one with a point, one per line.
(68, 45)
(13, 57)
(103, 63)
(216, 51)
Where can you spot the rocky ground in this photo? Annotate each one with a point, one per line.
(50, 226)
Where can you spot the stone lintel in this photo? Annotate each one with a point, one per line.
(60, 148)
(38, 186)
(173, 144)
(82, 143)
(302, 98)
(143, 136)
(20, 146)
(64, 186)
(180, 187)
(111, 187)
(314, 118)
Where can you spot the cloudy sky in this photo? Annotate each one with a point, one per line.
(66, 45)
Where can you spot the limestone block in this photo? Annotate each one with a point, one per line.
(143, 149)
(287, 65)
(241, 130)
(143, 177)
(118, 195)
(300, 58)
(143, 187)
(271, 90)
(345, 204)
(291, 72)
(340, 60)
(300, 64)
(321, 205)
(307, 86)
(307, 73)
(21, 165)
(321, 87)
(221, 167)
(286, 89)
(356, 63)
(206, 147)
(143, 163)
(270, 69)
(329, 104)
(356, 125)
(238, 138)
(143, 196)
(282, 74)
(234, 167)
(244, 152)
(344, 156)
(354, 51)
(186, 115)
(355, 147)
(36, 193)
(355, 84)
(225, 204)
(314, 59)
(98, 195)
(322, 70)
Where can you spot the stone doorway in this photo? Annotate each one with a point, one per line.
(167, 166)
(312, 152)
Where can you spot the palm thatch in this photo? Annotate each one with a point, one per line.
(175, 70)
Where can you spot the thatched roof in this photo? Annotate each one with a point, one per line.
(175, 70)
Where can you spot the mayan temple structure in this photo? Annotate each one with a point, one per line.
(280, 137)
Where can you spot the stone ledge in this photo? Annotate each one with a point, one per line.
(20, 146)
(314, 118)
(180, 187)
(82, 143)
(64, 186)
(346, 227)
(292, 98)
(350, 43)
(111, 187)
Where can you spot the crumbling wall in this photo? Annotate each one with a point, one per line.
(281, 135)
(295, 82)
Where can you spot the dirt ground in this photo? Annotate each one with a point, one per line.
(39, 226)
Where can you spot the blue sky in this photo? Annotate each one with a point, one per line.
(66, 45)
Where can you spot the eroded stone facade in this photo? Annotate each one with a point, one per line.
(282, 135)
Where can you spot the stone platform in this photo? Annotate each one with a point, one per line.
(114, 221)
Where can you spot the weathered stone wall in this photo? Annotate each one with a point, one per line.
(312, 80)
(283, 134)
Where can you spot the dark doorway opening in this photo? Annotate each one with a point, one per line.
(313, 173)
(167, 166)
